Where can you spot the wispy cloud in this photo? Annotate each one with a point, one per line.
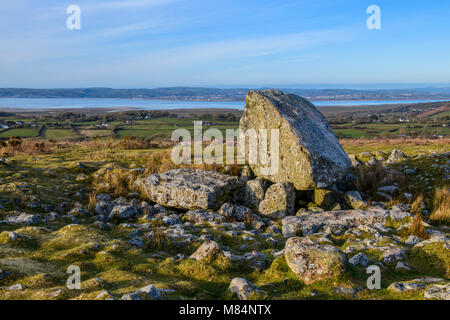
(247, 47)
(124, 4)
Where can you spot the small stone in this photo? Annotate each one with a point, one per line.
(137, 242)
(355, 200)
(243, 288)
(412, 240)
(18, 287)
(359, 260)
(208, 249)
(402, 266)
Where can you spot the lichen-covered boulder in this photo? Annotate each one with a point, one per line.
(310, 155)
(308, 224)
(254, 192)
(312, 261)
(279, 201)
(192, 189)
(243, 288)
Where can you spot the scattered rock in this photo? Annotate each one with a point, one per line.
(396, 156)
(312, 261)
(402, 266)
(416, 284)
(123, 212)
(412, 240)
(149, 292)
(393, 255)
(208, 249)
(359, 260)
(243, 288)
(22, 218)
(233, 211)
(355, 200)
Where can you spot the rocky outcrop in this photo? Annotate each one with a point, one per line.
(310, 155)
(312, 261)
(308, 224)
(192, 189)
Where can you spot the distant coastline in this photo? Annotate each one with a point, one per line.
(199, 95)
(99, 105)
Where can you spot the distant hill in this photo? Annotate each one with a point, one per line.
(216, 94)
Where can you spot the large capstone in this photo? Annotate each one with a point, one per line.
(310, 155)
(192, 189)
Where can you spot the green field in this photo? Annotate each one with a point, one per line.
(95, 133)
(20, 132)
(386, 130)
(58, 134)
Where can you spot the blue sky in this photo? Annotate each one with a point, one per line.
(153, 43)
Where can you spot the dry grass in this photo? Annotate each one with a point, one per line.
(441, 206)
(118, 182)
(416, 206)
(92, 201)
(17, 146)
(161, 161)
(369, 179)
(396, 141)
(417, 227)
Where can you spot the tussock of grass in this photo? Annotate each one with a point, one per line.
(441, 206)
(417, 228)
(370, 178)
(117, 181)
